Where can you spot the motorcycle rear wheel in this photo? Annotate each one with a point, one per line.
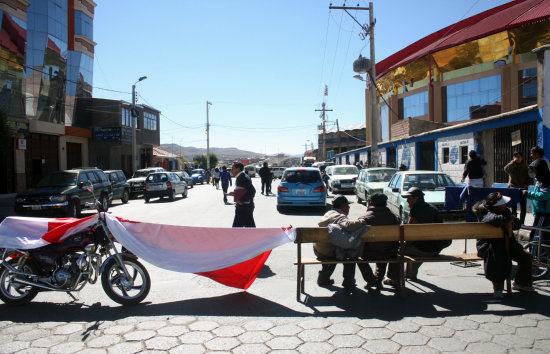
(13, 293)
(119, 289)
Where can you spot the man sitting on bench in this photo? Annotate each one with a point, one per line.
(420, 213)
(326, 251)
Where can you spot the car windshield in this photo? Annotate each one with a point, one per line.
(350, 170)
(197, 171)
(141, 173)
(427, 181)
(301, 176)
(380, 175)
(157, 177)
(58, 179)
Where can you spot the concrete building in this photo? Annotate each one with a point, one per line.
(473, 85)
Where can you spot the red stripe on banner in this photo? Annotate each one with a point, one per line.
(58, 227)
(240, 275)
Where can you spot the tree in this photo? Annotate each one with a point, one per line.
(200, 160)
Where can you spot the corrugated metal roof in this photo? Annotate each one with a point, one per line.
(509, 15)
(162, 153)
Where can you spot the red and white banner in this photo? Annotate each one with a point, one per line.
(231, 256)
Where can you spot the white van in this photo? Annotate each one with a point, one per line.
(278, 171)
(250, 170)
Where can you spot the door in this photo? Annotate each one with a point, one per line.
(502, 139)
(74, 155)
(427, 155)
(391, 158)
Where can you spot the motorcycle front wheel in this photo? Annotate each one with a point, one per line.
(126, 291)
(12, 292)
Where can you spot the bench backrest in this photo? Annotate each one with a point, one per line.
(412, 232)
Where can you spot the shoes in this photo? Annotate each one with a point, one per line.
(390, 282)
(375, 284)
(497, 294)
(520, 287)
(262, 193)
(325, 284)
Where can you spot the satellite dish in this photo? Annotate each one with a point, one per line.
(361, 65)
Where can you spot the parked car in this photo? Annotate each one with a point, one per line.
(119, 184)
(138, 179)
(64, 192)
(301, 186)
(341, 178)
(198, 176)
(185, 176)
(164, 184)
(278, 171)
(250, 170)
(372, 180)
(432, 184)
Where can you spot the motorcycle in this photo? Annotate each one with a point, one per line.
(68, 266)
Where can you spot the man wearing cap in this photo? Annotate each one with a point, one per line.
(379, 214)
(326, 251)
(420, 213)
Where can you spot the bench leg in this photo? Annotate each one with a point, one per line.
(299, 269)
(303, 280)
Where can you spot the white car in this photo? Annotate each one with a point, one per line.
(278, 171)
(138, 179)
(341, 178)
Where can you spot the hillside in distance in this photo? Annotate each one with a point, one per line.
(223, 153)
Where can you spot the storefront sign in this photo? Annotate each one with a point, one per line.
(453, 155)
(107, 134)
(21, 144)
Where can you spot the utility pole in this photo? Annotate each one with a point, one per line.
(134, 117)
(324, 156)
(369, 29)
(338, 132)
(207, 137)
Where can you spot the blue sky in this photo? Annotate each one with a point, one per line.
(263, 64)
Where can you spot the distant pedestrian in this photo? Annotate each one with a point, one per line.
(244, 197)
(265, 175)
(518, 174)
(225, 177)
(207, 176)
(216, 177)
(473, 169)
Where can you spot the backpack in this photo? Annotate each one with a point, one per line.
(348, 244)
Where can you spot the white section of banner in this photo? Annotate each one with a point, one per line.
(23, 233)
(196, 249)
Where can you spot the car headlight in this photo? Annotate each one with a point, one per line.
(58, 198)
(20, 200)
(336, 182)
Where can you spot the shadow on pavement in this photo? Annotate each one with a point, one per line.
(428, 301)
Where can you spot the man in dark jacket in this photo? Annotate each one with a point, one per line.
(518, 174)
(473, 169)
(420, 213)
(379, 214)
(265, 175)
(244, 197)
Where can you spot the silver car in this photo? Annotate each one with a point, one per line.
(164, 184)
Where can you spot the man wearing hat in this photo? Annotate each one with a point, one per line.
(326, 251)
(420, 213)
(379, 214)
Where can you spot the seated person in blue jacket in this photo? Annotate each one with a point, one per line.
(497, 260)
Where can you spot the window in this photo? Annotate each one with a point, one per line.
(384, 120)
(446, 155)
(414, 106)
(463, 154)
(126, 117)
(149, 121)
(473, 99)
(528, 87)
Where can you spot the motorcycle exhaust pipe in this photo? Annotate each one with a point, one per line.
(18, 272)
(38, 285)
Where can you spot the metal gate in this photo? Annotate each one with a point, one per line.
(504, 149)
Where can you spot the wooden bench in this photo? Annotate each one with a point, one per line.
(399, 233)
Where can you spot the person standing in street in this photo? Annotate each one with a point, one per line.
(216, 177)
(518, 173)
(243, 194)
(265, 175)
(473, 169)
(225, 177)
(541, 194)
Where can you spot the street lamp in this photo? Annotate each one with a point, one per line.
(134, 124)
(207, 137)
